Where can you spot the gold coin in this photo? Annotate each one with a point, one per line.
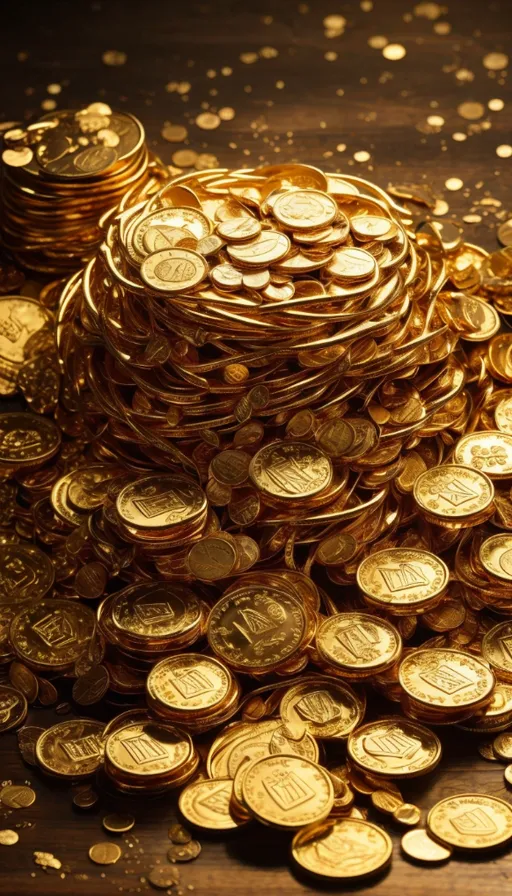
(508, 774)
(407, 814)
(386, 801)
(490, 452)
(345, 849)
(505, 233)
(178, 834)
(231, 467)
(212, 558)
(184, 852)
(495, 555)
(471, 821)
(255, 628)
(330, 709)
(118, 824)
(27, 739)
(336, 549)
(105, 853)
(289, 470)
(92, 686)
(163, 877)
(8, 838)
(71, 749)
(445, 679)
(358, 643)
(453, 492)
(335, 437)
(395, 747)
(267, 248)
(225, 276)
(308, 209)
(239, 229)
(502, 746)
(495, 649)
(173, 270)
(159, 502)
(402, 578)
(17, 796)
(147, 749)
(206, 804)
(287, 791)
(155, 611)
(22, 679)
(85, 799)
(503, 415)
(418, 844)
(352, 264)
(53, 633)
(189, 683)
(27, 439)
(372, 227)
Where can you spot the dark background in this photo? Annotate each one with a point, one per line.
(383, 111)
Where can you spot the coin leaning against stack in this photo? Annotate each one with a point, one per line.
(60, 175)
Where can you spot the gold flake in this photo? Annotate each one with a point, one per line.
(377, 42)
(341, 147)
(174, 133)
(496, 105)
(226, 113)
(54, 89)
(279, 85)
(114, 57)
(442, 28)
(269, 52)
(48, 105)
(441, 208)
(394, 52)
(504, 151)
(454, 183)
(248, 58)
(362, 155)
(459, 136)
(226, 70)
(464, 75)
(8, 838)
(208, 121)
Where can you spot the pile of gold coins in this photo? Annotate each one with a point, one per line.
(266, 483)
(60, 175)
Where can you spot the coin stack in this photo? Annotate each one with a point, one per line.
(148, 757)
(60, 175)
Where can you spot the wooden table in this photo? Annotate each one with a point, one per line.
(306, 119)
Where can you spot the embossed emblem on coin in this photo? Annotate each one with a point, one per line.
(399, 578)
(290, 470)
(346, 848)
(27, 438)
(444, 678)
(26, 574)
(173, 270)
(490, 452)
(453, 491)
(304, 209)
(287, 791)
(471, 821)
(157, 502)
(358, 643)
(394, 746)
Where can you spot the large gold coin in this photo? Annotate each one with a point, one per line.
(270, 246)
(27, 574)
(445, 679)
(357, 643)
(160, 502)
(496, 649)
(254, 628)
(13, 708)
(173, 270)
(206, 804)
(71, 749)
(189, 683)
(345, 848)
(488, 451)
(495, 555)
(212, 558)
(394, 747)
(21, 322)
(419, 845)
(155, 611)
(27, 439)
(153, 231)
(471, 821)
(52, 634)
(304, 209)
(290, 470)
(402, 579)
(287, 791)
(352, 264)
(453, 492)
(147, 749)
(330, 709)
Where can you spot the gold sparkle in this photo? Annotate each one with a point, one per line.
(430, 11)
(114, 57)
(341, 147)
(394, 52)
(226, 113)
(377, 42)
(248, 58)
(54, 89)
(279, 85)
(436, 121)
(471, 111)
(208, 121)
(362, 155)
(464, 75)
(441, 208)
(459, 136)
(495, 62)
(442, 28)
(48, 105)
(496, 105)
(330, 56)
(504, 151)
(454, 183)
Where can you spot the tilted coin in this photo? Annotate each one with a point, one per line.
(91, 687)
(419, 845)
(118, 824)
(490, 452)
(407, 814)
(157, 502)
(445, 679)
(304, 209)
(17, 796)
(239, 229)
(27, 439)
(287, 791)
(27, 739)
(105, 853)
(495, 554)
(402, 579)
(178, 834)
(71, 749)
(352, 264)
(206, 804)
(24, 680)
(184, 852)
(163, 877)
(27, 574)
(85, 799)
(173, 270)
(188, 683)
(13, 708)
(395, 747)
(472, 821)
(147, 749)
(212, 558)
(453, 492)
(344, 849)
(268, 247)
(502, 746)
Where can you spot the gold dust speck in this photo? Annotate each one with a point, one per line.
(430, 11)
(248, 58)
(174, 133)
(226, 113)
(114, 57)
(496, 105)
(54, 89)
(459, 136)
(330, 56)
(394, 52)
(362, 155)
(436, 121)
(378, 42)
(208, 121)
(504, 151)
(8, 838)
(471, 111)
(454, 183)
(442, 28)
(48, 105)
(495, 62)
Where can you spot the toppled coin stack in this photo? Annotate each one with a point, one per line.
(59, 175)
(277, 483)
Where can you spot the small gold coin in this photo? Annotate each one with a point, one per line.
(417, 750)
(471, 821)
(188, 683)
(502, 746)
(206, 804)
(173, 270)
(13, 708)
(495, 649)
(330, 709)
(407, 814)
(178, 834)
(184, 852)
(17, 796)
(306, 209)
(27, 574)
(91, 687)
(495, 555)
(212, 558)
(85, 799)
(225, 276)
(8, 838)
(490, 452)
(453, 492)
(385, 801)
(287, 791)
(71, 749)
(503, 415)
(508, 774)
(346, 848)
(105, 853)
(505, 233)
(419, 845)
(118, 824)
(352, 264)
(27, 439)
(402, 579)
(373, 227)
(159, 502)
(267, 248)
(163, 877)
(445, 679)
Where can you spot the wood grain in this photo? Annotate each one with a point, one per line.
(377, 112)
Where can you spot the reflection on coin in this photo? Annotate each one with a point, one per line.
(471, 821)
(173, 270)
(490, 452)
(495, 649)
(395, 747)
(188, 683)
(402, 578)
(420, 846)
(163, 877)
(206, 804)
(346, 849)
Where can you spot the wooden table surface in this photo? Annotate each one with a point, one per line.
(292, 104)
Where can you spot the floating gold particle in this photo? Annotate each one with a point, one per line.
(471, 111)
(184, 158)
(227, 113)
(496, 105)
(341, 147)
(206, 160)
(48, 105)
(8, 838)
(366, 5)
(362, 155)
(377, 42)
(208, 121)
(440, 208)
(495, 62)
(394, 52)
(114, 57)
(334, 22)
(504, 151)
(430, 11)
(54, 89)
(248, 58)
(435, 121)
(459, 136)
(454, 183)
(268, 52)
(464, 75)
(174, 133)
(330, 56)
(442, 28)
(116, 823)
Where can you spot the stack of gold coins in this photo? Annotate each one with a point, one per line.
(147, 757)
(60, 175)
(192, 690)
(72, 749)
(455, 496)
(444, 686)
(330, 709)
(403, 581)
(357, 645)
